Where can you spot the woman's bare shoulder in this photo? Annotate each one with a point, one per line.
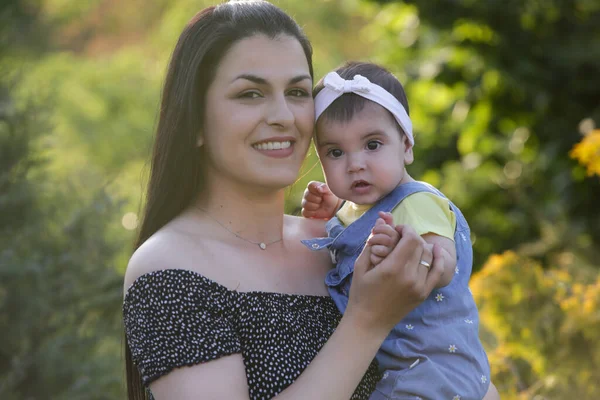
(152, 255)
(306, 228)
(183, 244)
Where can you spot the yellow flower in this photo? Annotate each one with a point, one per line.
(587, 152)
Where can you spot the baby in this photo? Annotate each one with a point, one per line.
(364, 141)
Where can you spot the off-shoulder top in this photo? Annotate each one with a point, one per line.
(175, 318)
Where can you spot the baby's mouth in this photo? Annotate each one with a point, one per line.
(360, 184)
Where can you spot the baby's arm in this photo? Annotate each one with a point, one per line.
(449, 254)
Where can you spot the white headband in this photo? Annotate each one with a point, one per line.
(335, 86)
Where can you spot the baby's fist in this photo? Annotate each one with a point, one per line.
(318, 201)
(383, 239)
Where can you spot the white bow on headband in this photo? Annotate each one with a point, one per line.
(335, 86)
(335, 82)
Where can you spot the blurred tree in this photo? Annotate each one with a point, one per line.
(543, 324)
(59, 295)
(21, 26)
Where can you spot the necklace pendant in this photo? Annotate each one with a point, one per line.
(262, 246)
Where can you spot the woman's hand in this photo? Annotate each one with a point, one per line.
(380, 296)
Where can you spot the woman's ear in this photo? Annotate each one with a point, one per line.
(200, 140)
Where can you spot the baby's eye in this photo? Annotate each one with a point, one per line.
(298, 93)
(373, 145)
(250, 95)
(335, 153)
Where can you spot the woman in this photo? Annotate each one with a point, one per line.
(220, 282)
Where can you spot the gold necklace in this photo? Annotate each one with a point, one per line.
(261, 245)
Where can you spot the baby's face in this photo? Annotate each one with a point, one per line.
(363, 159)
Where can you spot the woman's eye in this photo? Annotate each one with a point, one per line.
(335, 153)
(250, 95)
(298, 93)
(373, 145)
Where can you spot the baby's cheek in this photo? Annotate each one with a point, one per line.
(331, 173)
(337, 187)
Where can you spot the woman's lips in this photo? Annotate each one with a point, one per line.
(275, 148)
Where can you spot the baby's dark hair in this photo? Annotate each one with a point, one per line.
(348, 104)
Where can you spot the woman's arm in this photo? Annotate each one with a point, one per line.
(223, 378)
(379, 298)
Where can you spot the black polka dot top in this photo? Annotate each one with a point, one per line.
(176, 318)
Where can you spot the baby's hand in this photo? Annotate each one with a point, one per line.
(319, 202)
(384, 237)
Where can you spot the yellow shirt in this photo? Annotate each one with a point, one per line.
(424, 212)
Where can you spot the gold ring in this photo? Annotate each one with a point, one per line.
(425, 264)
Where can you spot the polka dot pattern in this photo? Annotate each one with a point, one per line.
(176, 318)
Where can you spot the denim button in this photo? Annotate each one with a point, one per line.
(315, 246)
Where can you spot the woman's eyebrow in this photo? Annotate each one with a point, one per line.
(299, 78)
(262, 81)
(251, 78)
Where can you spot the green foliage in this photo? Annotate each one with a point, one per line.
(543, 326)
(59, 294)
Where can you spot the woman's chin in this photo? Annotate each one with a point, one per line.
(277, 177)
(278, 181)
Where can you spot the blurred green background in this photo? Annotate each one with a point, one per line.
(505, 99)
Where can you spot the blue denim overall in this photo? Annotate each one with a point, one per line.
(434, 352)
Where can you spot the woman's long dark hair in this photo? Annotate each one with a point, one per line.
(175, 173)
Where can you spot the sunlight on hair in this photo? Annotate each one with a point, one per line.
(130, 221)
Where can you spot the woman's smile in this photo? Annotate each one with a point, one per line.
(276, 147)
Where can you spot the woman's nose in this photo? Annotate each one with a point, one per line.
(279, 113)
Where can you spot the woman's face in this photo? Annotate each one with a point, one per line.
(259, 114)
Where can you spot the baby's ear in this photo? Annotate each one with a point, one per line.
(408, 150)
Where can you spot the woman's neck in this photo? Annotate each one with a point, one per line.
(255, 214)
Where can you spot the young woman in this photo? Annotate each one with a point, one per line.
(222, 299)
